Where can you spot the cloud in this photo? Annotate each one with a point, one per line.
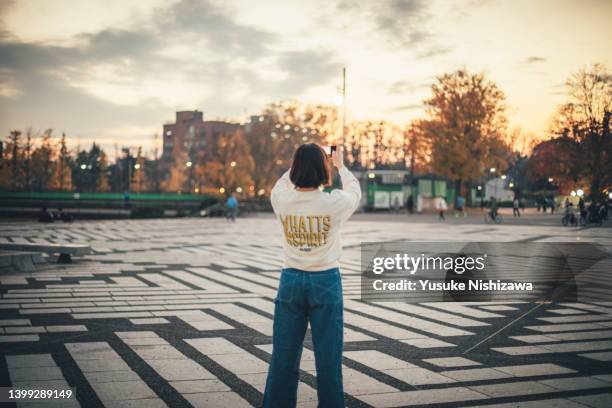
(196, 19)
(189, 55)
(401, 23)
(408, 107)
(406, 87)
(535, 60)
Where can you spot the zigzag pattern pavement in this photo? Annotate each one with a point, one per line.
(179, 313)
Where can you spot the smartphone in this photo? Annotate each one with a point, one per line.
(329, 149)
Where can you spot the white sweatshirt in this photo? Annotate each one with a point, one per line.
(311, 221)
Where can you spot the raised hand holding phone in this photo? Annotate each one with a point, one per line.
(337, 156)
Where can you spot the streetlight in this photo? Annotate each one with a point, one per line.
(189, 164)
(550, 179)
(573, 193)
(371, 175)
(83, 166)
(580, 192)
(610, 195)
(492, 170)
(137, 166)
(222, 190)
(511, 185)
(239, 189)
(503, 176)
(233, 164)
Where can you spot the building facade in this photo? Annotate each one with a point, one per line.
(191, 132)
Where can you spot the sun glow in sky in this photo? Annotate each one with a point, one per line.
(115, 71)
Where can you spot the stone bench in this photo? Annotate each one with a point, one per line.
(65, 251)
(21, 261)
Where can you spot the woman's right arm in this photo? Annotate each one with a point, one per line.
(350, 195)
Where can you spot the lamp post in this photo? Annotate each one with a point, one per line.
(492, 171)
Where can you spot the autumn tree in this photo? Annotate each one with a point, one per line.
(12, 174)
(27, 161)
(374, 144)
(551, 159)
(416, 146)
(229, 164)
(62, 175)
(581, 129)
(41, 163)
(465, 125)
(274, 135)
(88, 169)
(176, 178)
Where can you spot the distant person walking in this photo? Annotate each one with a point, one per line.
(441, 206)
(310, 287)
(396, 205)
(460, 206)
(232, 207)
(582, 208)
(515, 207)
(493, 208)
(553, 205)
(126, 198)
(410, 205)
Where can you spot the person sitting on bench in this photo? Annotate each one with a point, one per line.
(62, 216)
(44, 215)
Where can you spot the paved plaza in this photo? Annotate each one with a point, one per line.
(179, 313)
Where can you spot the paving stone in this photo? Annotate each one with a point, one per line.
(150, 320)
(595, 401)
(66, 328)
(513, 389)
(420, 376)
(180, 370)
(30, 360)
(122, 390)
(422, 397)
(575, 383)
(544, 403)
(19, 338)
(136, 403)
(378, 360)
(217, 400)
(475, 374)
(449, 362)
(527, 370)
(35, 373)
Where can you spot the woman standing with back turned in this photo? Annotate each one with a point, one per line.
(310, 288)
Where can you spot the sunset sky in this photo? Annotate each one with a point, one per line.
(116, 70)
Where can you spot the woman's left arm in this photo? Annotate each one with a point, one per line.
(282, 185)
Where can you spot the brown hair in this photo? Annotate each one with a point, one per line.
(310, 167)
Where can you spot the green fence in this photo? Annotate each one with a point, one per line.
(68, 196)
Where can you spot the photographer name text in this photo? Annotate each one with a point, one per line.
(451, 285)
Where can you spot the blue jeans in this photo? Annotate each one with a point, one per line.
(303, 297)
